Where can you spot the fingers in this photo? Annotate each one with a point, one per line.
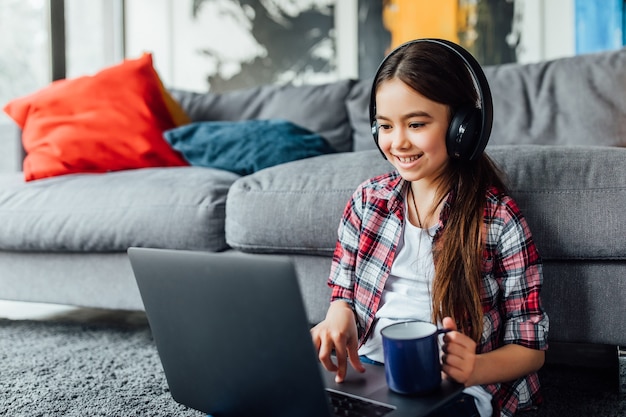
(454, 358)
(459, 356)
(458, 342)
(325, 357)
(345, 350)
(323, 347)
(353, 355)
(338, 333)
(342, 364)
(449, 323)
(350, 354)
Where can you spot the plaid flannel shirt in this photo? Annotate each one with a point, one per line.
(368, 236)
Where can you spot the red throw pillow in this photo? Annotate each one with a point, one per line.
(113, 120)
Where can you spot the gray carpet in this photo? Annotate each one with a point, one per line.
(73, 369)
(109, 367)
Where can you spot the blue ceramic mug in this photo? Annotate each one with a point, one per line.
(411, 351)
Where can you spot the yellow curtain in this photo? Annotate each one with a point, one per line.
(411, 19)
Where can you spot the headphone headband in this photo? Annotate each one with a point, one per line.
(465, 140)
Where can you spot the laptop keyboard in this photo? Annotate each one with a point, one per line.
(343, 405)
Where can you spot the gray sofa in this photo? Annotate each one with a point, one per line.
(558, 133)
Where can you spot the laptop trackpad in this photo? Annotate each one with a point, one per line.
(372, 385)
(362, 384)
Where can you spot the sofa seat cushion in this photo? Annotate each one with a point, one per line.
(573, 199)
(176, 207)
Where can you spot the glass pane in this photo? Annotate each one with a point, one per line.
(24, 64)
(24, 39)
(93, 31)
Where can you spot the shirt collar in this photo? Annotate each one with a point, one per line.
(394, 192)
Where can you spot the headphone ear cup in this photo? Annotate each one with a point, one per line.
(375, 131)
(375, 134)
(470, 127)
(462, 138)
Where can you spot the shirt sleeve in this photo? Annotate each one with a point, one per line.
(342, 272)
(519, 271)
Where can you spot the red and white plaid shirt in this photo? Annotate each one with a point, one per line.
(512, 273)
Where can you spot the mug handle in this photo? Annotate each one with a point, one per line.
(439, 332)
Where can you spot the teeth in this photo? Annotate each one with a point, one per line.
(409, 159)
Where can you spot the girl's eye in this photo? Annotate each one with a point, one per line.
(384, 127)
(416, 125)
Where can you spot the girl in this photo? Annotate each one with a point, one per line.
(438, 239)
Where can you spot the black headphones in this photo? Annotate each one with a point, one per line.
(470, 127)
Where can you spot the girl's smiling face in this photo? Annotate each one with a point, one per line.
(412, 131)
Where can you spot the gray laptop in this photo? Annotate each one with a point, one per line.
(233, 338)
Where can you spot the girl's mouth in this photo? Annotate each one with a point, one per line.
(408, 159)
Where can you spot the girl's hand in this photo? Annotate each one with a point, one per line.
(459, 354)
(338, 332)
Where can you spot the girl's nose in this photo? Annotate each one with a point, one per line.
(400, 139)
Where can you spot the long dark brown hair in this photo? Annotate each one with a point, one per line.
(439, 74)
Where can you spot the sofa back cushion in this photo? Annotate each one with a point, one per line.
(318, 108)
(357, 104)
(573, 198)
(578, 100)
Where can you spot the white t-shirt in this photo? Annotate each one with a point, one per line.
(407, 293)
(407, 296)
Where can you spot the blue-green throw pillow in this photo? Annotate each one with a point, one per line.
(244, 147)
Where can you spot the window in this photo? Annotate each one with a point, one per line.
(94, 35)
(42, 40)
(24, 65)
